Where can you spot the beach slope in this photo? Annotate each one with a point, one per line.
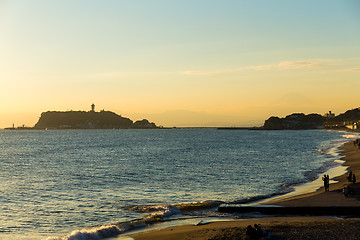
(285, 227)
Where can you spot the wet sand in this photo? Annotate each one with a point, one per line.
(280, 227)
(335, 197)
(284, 227)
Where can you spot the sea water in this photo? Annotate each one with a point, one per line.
(92, 184)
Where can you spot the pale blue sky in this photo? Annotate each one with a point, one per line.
(143, 58)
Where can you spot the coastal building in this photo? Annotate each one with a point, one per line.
(352, 125)
(92, 108)
(329, 115)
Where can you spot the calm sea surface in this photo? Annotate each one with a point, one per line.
(53, 183)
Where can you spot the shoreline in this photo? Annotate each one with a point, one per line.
(307, 197)
(280, 227)
(351, 157)
(337, 177)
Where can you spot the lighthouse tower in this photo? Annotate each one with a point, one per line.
(92, 107)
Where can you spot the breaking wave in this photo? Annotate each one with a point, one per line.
(174, 208)
(92, 234)
(351, 136)
(153, 214)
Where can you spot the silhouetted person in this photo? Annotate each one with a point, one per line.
(325, 178)
(348, 191)
(327, 182)
(261, 232)
(256, 232)
(251, 233)
(353, 178)
(350, 176)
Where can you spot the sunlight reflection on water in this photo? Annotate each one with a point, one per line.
(54, 182)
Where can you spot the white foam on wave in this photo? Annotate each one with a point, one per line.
(332, 148)
(92, 234)
(156, 213)
(170, 209)
(351, 136)
(332, 152)
(162, 212)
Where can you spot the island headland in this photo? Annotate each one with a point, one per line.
(348, 120)
(89, 120)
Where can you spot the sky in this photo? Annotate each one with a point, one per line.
(179, 63)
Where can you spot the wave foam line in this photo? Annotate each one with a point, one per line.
(157, 213)
(92, 234)
(172, 209)
(351, 136)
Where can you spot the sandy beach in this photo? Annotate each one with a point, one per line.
(284, 227)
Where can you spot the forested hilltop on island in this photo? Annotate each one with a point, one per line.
(350, 120)
(88, 120)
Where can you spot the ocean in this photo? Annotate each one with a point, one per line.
(92, 184)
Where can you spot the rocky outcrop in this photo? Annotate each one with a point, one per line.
(144, 124)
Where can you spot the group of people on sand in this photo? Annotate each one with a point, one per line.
(326, 180)
(351, 177)
(257, 232)
(347, 190)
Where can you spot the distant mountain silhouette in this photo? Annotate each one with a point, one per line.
(88, 120)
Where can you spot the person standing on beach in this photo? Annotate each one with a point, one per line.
(327, 182)
(350, 176)
(325, 178)
(353, 178)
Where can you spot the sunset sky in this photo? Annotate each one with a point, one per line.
(179, 63)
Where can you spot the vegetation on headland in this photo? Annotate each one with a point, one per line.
(348, 120)
(295, 121)
(87, 120)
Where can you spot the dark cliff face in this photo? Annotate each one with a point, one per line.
(84, 120)
(295, 121)
(273, 123)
